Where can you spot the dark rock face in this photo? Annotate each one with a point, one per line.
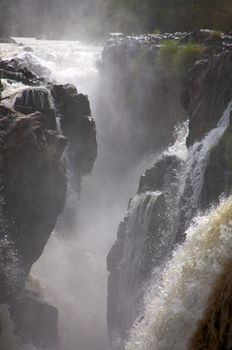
(212, 79)
(34, 180)
(207, 94)
(15, 70)
(148, 233)
(34, 190)
(33, 187)
(77, 125)
(37, 99)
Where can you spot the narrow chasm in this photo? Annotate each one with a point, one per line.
(115, 177)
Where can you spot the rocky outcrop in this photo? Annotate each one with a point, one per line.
(15, 69)
(34, 186)
(77, 125)
(34, 190)
(144, 240)
(156, 222)
(207, 93)
(144, 92)
(210, 79)
(37, 99)
(33, 178)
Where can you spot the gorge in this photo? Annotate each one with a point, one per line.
(70, 163)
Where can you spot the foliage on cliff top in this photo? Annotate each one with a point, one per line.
(174, 58)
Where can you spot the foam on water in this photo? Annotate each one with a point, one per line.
(173, 309)
(11, 90)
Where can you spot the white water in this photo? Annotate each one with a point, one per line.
(192, 174)
(172, 310)
(73, 269)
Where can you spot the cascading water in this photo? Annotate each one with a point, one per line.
(147, 334)
(73, 268)
(154, 225)
(173, 309)
(192, 174)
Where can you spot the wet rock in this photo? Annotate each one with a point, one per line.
(154, 178)
(33, 178)
(33, 192)
(33, 186)
(140, 246)
(15, 69)
(28, 49)
(214, 41)
(77, 125)
(37, 99)
(208, 90)
(7, 40)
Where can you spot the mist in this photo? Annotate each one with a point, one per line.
(134, 83)
(72, 273)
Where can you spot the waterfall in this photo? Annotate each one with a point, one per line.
(173, 308)
(192, 174)
(37, 97)
(154, 224)
(161, 314)
(164, 287)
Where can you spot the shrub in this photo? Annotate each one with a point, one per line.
(175, 58)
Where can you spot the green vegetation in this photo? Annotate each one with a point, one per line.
(175, 58)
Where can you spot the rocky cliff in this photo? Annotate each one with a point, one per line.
(176, 187)
(34, 183)
(143, 78)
